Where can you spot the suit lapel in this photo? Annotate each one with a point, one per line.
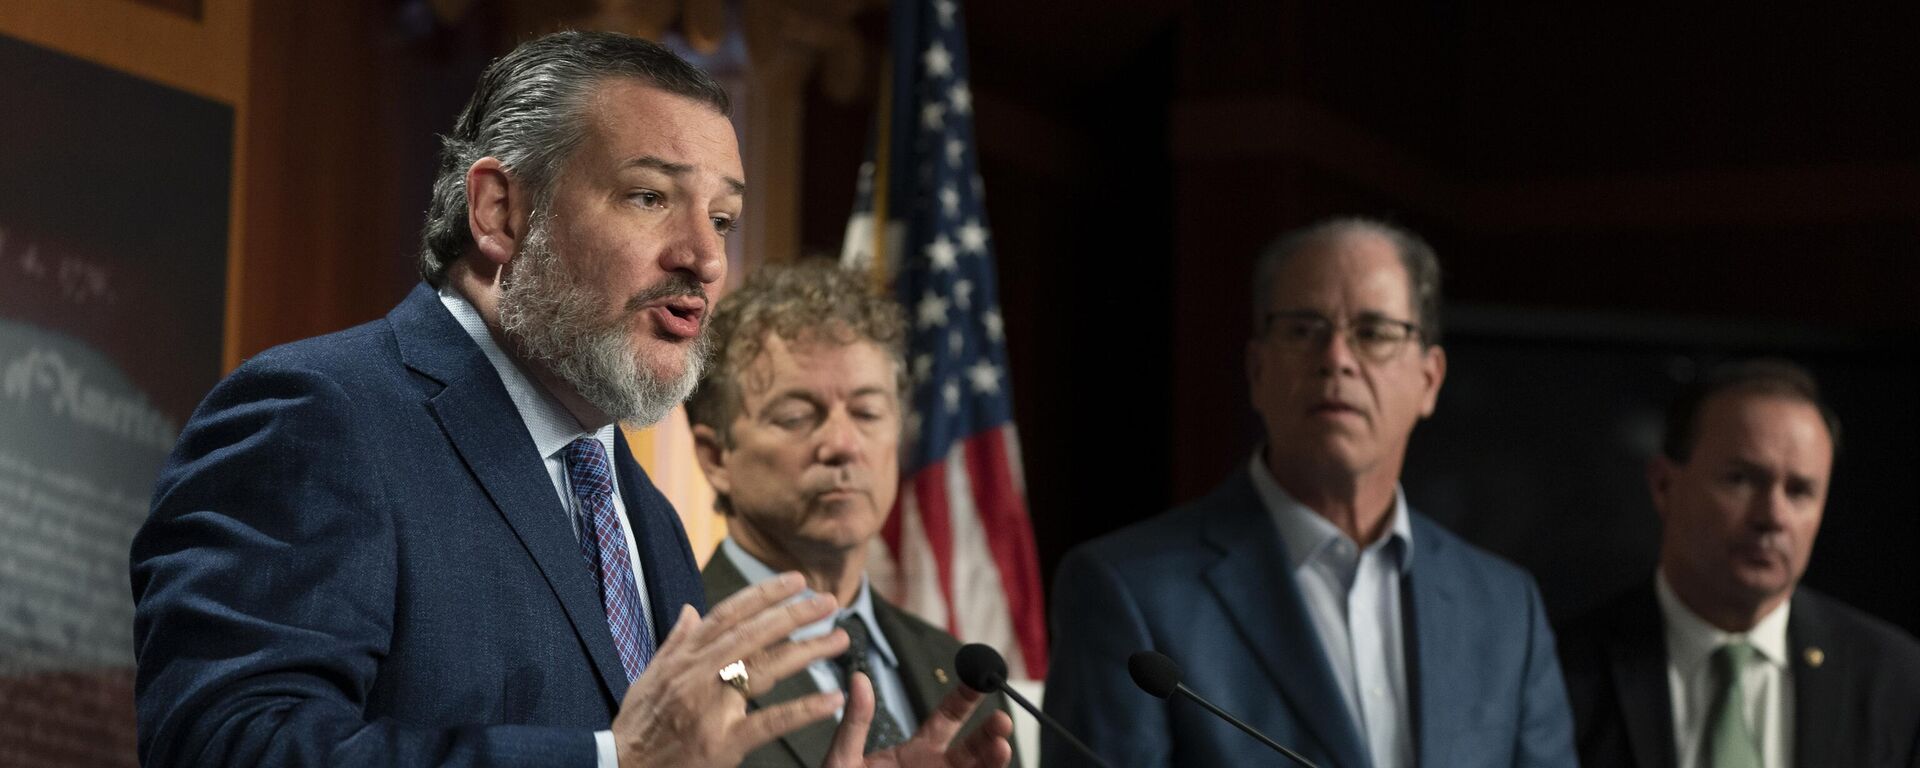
(1440, 684)
(922, 673)
(808, 746)
(1274, 622)
(666, 557)
(1410, 657)
(1637, 663)
(480, 421)
(1820, 691)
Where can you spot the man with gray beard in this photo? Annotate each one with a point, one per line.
(422, 541)
(550, 316)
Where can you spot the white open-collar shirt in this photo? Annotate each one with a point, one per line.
(1353, 599)
(1767, 681)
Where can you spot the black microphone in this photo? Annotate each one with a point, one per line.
(1160, 676)
(982, 669)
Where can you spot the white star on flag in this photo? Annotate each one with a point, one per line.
(939, 62)
(943, 255)
(933, 310)
(973, 237)
(934, 245)
(986, 378)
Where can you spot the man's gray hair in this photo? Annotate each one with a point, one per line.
(528, 111)
(1423, 267)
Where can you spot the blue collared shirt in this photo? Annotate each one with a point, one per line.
(885, 666)
(1353, 598)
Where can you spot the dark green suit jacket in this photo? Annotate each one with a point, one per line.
(925, 653)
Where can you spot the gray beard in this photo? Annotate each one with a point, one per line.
(556, 321)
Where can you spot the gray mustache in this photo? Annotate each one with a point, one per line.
(676, 284)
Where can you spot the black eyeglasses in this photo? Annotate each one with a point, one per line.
(1371, 337)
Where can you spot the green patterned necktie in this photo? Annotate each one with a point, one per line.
(885, 731)
(1729, 743)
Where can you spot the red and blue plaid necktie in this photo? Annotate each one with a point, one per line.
(605, 550)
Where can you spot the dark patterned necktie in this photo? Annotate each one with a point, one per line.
(885, 731)
(605, 549)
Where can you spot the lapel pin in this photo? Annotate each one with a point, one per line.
(940, 675)
(1816, 657)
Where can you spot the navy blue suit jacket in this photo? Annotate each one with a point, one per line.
(356, 557)
(1209, 584)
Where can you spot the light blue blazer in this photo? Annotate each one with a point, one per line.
(1209, 584)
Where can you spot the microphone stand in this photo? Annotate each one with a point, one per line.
(1182, 689)
(1054, 724)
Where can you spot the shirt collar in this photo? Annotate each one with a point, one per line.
(756, 571)
(1305, 533)
(1691, 641)
(547, 421)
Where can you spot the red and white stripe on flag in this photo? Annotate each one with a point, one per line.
(959, 546)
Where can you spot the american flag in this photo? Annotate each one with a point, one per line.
(958, 550)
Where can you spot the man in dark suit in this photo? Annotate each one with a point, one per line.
(798, 425)
(1722, 659)
(1304, 595)
(421, 541)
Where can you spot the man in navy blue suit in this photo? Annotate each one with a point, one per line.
(422, 542)
(1304, 594)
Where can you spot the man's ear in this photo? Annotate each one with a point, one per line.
(1660, 473)
(1433, 369)
(496, 211)
(712, 455)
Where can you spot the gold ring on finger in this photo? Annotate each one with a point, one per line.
(735, 675)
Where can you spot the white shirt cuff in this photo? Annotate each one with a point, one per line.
(603, 743)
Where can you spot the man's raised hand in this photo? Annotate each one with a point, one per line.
(682, 713)
(932, 746)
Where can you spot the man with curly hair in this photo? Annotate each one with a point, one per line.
(798, 425)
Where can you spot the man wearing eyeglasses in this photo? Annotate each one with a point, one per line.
(1304, 595)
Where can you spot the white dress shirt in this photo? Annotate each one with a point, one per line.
(1353, 598)
(552, 428)
(1767, 681)
(825, 674)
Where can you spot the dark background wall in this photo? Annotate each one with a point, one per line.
(1620, 195)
